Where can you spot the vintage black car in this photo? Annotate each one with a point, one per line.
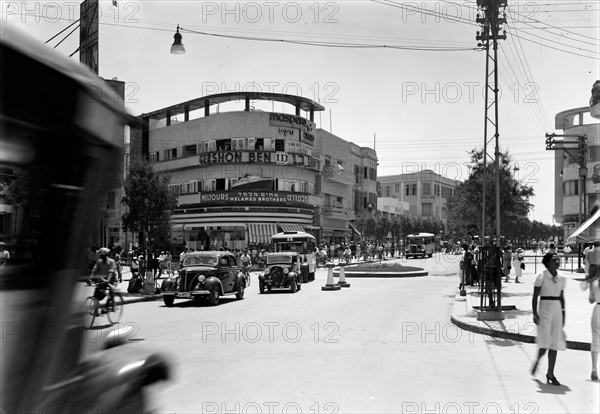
(205, 275)
(282, 272)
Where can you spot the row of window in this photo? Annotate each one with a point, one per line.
(369, 173)
(226, 184)
(411, 190)
(233, 144)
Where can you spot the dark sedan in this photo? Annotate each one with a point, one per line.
(205, 275)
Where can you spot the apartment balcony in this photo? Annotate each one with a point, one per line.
(341, 213)
(340, 176)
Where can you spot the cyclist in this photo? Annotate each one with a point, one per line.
(105, 273)
(246, 262)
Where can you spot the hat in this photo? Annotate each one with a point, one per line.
(104, 251)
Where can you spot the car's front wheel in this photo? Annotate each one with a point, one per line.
(261, 286)
(213, 297)
(293, 287)
(169, 300)
(240, 290)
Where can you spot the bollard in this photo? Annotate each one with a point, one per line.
(342, 280)
(330, 285)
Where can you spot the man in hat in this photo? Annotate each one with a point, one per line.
(105, 272)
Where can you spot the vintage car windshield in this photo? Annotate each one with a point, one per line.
(200, 260)
(279, 258)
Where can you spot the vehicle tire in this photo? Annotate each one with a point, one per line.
(213, 297)
(240, 290)
(293, 287)
(114, 314)
(261, 286)
(269, 288)
(430, 255)
(169, 300)
(311, 276)
(90, 311)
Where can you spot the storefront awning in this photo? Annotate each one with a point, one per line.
(261, 233)
(578, 235)
(291, 227)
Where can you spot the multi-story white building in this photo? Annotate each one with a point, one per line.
(246, 174)
(577, 213)
(426, 192)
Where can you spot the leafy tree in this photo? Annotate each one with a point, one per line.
(150, 204)
(465, 206)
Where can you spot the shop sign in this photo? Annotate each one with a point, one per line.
(305, 127)
(255, 157)
(254, 198)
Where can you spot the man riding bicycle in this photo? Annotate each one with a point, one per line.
(246, 262)
(105, 274)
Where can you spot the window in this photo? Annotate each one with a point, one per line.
(366, 172)
(426, 189)
(413, 189)
(407, 189)
(446, 192)
(436, 189)
(426, 210)
(396, 188)
(387, 190)
(571, 188)
(189, 150)
(173, 153)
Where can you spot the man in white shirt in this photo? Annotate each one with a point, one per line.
(592, 259)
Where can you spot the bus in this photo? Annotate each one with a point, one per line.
(419, 244)
(297, 241)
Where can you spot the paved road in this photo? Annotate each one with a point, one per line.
(383, 345)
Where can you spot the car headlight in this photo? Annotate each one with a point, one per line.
(286, 271)
(202, 278)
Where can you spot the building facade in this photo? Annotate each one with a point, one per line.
(247, 174)
(572, 206)
(426, 193)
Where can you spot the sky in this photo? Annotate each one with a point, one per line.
(406, 78)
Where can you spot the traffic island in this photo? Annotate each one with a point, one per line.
(381, 270)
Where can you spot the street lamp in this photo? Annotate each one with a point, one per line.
(177, 47)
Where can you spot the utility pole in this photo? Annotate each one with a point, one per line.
(489, 17)
(577, 149)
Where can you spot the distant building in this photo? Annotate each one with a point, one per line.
(568, 205)
(426, 192)
(391, 206)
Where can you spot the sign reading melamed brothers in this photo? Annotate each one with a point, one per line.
(254, 197)
(305, 126)
(258, 157)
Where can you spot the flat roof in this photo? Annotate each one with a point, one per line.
(305, 104)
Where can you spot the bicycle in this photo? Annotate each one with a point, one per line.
(246, 273)
(100, 304)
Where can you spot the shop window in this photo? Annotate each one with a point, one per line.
(189, 150)
(259, 144)
(223, 145)
(220, 184)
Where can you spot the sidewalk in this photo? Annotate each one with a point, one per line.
(518, 323)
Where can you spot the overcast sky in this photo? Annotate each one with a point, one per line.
(419, 100)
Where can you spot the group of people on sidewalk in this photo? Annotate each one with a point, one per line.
(549, 310)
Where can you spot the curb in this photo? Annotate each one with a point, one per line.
(418, 273)
(476, 328)
(145, 298)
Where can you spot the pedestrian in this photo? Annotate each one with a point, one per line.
(567, 251)
(474, 264)
(168, 262)
(518, 264)
(4, 254)
(506, 263)
(134, 266)
(182, 255)
(465, 266)
(549, 287)
(551, 248)
(592, 259)
(593, 284)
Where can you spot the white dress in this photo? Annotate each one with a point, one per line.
(550, 329)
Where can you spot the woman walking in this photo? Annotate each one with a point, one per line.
(518, 264)
(593, 283)
(550, 315)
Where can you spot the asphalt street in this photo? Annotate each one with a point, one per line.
(382, 345)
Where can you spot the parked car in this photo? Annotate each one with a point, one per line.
(282, 272)
(205, 275)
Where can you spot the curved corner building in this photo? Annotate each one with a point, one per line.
(247, 174)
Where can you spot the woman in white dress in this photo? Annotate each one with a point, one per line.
(549, 316)
(518, 260)
(594, 297)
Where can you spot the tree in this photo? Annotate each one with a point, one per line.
(465, 206)
(150, 204)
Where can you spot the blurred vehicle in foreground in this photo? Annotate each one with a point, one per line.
(61, 132)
